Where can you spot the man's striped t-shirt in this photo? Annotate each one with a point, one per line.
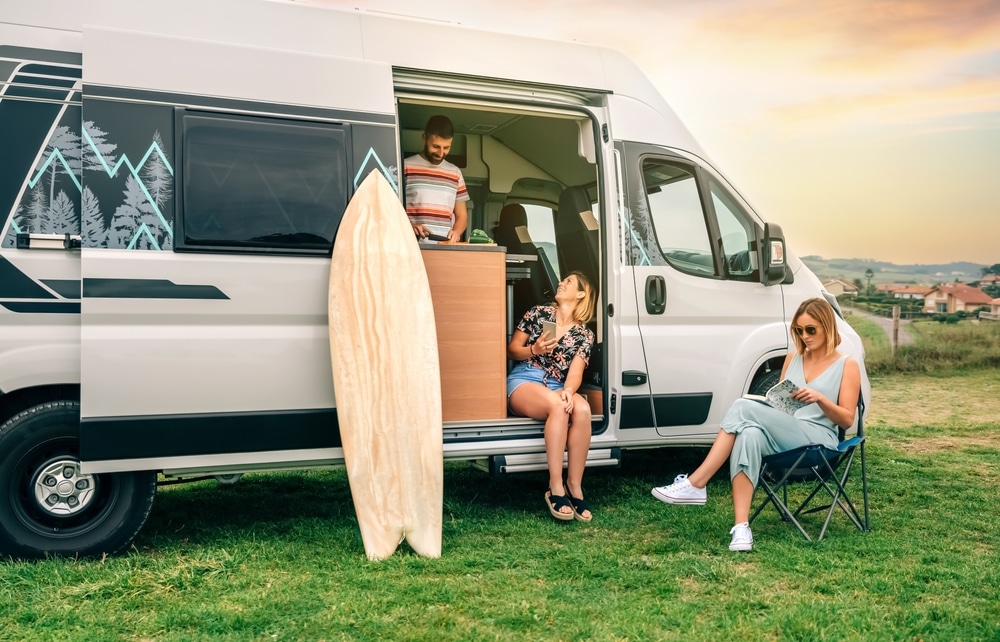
(432, 191)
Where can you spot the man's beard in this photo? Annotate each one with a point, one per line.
(432, 158)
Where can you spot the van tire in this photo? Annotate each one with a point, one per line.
(764, 380)
(82, 515)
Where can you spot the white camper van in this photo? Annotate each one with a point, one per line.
(172, 183)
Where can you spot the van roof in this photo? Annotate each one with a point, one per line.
(294, 26)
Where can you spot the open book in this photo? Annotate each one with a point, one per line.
(780, 396)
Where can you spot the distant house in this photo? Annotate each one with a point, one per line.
(994, 313)
(955, 297)
(911, 292)
(907, 290)
(837, 287)
(989, 279)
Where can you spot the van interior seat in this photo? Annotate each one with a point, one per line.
(512, 216)
(512, 233)
(577, 240)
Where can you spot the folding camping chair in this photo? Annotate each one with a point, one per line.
(828, 469)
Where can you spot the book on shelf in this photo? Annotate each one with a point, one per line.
(780, 396)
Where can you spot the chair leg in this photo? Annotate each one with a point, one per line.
(838, 496)
(864, 487)
(825, 478)
(771, 496)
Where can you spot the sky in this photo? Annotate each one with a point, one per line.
(865, 128)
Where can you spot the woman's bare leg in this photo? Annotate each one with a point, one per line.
(579, 445)
(717, 456)
(742, 497)
(538, 402)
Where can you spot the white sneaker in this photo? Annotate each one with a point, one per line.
(742, 538)
(680, 492)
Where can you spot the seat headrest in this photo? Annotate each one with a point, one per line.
(572, 201)
(513, 215)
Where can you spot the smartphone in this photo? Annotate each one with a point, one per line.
(550, 327)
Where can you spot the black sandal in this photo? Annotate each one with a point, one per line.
(579, 506)
(555, 502)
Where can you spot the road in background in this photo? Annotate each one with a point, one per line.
(885, 323)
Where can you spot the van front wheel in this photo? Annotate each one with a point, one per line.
(48, 506)
(764, 380)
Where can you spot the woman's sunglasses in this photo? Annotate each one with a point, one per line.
(809, 329)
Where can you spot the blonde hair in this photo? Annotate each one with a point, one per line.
(584, 310)
(820, 310)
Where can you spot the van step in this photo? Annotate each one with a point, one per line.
(497, 465)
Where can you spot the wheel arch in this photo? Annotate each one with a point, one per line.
(15, 401)
(766, 374)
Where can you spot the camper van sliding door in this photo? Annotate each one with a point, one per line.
(704, 318)
(208, 222)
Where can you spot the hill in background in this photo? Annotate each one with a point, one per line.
(884, 272)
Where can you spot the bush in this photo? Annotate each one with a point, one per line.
(952, 318)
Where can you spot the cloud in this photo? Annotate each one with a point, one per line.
(854, 36)
(907, 105)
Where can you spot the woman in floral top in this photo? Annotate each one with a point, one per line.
(544, 384)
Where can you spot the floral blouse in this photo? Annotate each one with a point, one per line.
(578, 340)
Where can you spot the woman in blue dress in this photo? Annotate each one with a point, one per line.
(829, 383)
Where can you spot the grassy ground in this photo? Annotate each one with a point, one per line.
(279, 557)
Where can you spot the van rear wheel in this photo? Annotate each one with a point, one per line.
(48, 506)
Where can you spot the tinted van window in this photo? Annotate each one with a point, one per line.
(258, 183)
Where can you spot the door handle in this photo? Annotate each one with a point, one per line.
(26, 241)
(656, 294)
(633, 378)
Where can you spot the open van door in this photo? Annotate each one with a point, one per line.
(704, 313)
(212, 195)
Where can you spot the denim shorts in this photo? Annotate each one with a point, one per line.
(524, 372)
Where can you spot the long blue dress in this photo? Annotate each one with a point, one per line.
(762, 430)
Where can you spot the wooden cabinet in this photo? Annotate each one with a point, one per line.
(468, 288)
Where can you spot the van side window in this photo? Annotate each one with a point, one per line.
(543, 232)
(738, 236)
(260, 184)
(678, 218)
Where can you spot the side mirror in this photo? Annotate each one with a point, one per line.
(772, 260)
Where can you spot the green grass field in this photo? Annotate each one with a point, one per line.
(937, 348)
(279, 556)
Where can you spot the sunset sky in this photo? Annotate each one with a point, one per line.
(866, 128)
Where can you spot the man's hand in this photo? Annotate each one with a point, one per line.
(420, 231)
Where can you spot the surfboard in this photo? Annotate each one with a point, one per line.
(386, 375)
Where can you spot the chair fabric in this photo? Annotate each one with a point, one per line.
(828, 470)
(512, 216)
(512, 233)
(577, 242)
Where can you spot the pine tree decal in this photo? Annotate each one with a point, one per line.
(94, 226)
(91, 160)
(62, 215)
(125, 229)
(159, 183)
(62, 153)
(36, 218)
(94, 232)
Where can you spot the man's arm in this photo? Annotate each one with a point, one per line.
(461, 221)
